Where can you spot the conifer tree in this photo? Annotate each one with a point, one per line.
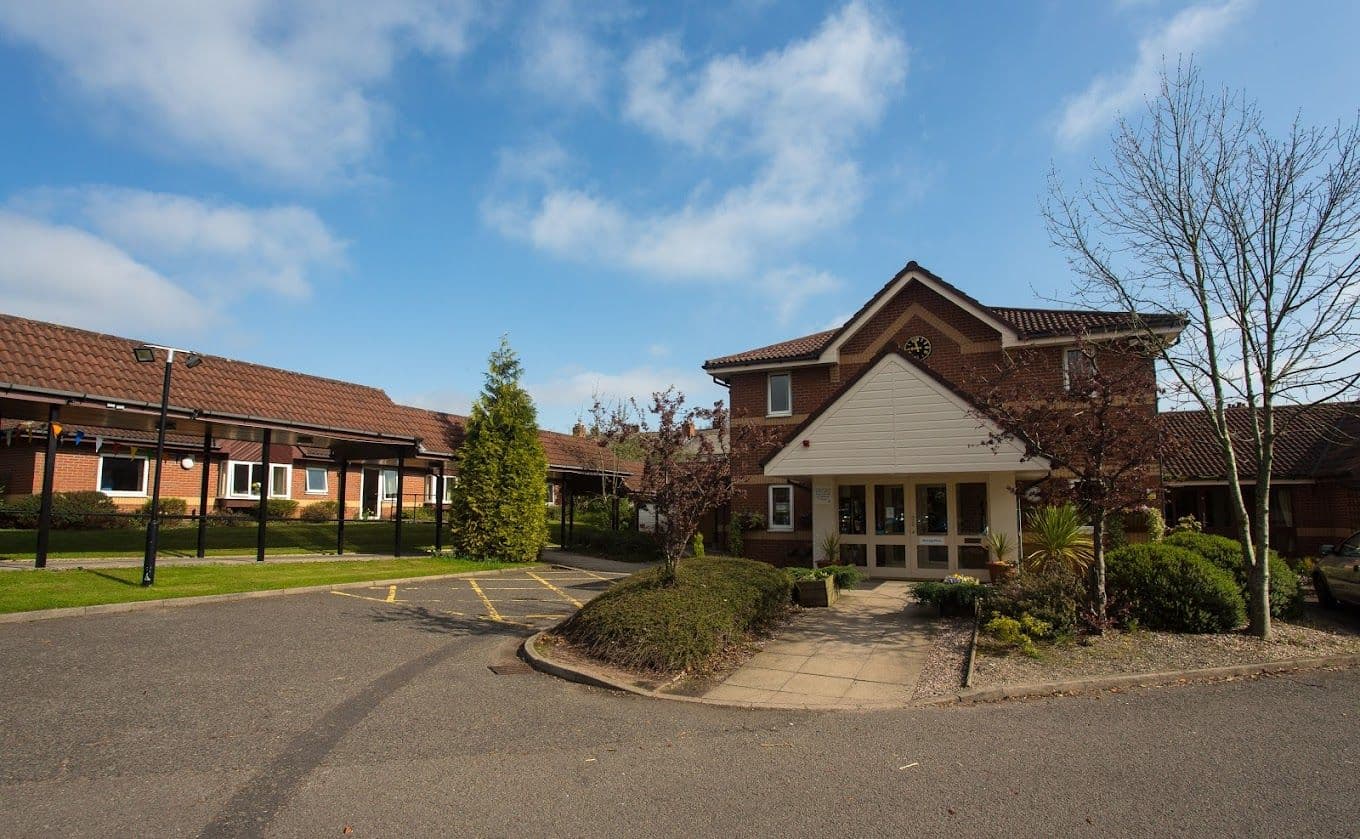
(497, 511)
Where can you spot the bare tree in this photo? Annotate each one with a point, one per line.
(685, 473)
(1102, 435)
(1255, 238)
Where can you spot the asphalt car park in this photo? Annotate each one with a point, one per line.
(380, 712)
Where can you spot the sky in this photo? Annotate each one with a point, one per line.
(377, 192)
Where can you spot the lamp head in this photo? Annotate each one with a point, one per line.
(145, 355)
(193, 360)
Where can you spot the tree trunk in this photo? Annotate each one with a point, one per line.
(1098, 567)
(1258, 587)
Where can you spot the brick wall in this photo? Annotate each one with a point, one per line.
(961, 346)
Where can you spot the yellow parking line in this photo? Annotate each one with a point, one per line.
(391, 594)
(558, 591)
(390, 599)
(486, 601)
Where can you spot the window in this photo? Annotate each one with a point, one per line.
(389, 485)
(972, 509)
(1076, 369)
(122, 475)
(432, 480)
(316, 480)
(781, 507)
(779, 401)
(890, 512)
(932, 509)
(852, 509)
(242, 480)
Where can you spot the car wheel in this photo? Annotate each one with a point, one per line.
(1323, 592)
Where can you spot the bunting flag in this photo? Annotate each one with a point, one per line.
(134, 450)
(9, 436)
(80, 436)
(98, 443)
(55, 430)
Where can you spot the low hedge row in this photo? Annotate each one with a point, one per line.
(70, 511)
(645, 623)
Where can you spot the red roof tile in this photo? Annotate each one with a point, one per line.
(1316, 442)
(1027, 323)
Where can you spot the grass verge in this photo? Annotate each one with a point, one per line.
(282, 538)
(645, 624)
(22, 591)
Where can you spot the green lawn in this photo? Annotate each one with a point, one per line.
(283, 537)
(22, 591)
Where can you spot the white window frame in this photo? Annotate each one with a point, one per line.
(229, 492)
(431, 480)
(307, 480)
(118, 493)
(769, 395)
(770, 525)
(1067, 366)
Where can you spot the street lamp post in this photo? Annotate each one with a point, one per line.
(146, 355)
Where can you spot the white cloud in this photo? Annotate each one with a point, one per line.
(222, 249)
(59, 273)
(562, 60)
(793, 115)
(278, 89)
(1107, 96)
(572, 391)
(790, 288)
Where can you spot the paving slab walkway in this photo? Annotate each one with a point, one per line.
(867, 650)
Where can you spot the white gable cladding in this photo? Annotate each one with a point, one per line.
(896, 420)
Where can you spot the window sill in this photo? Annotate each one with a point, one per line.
(117, 493)
(776, 414)
(779, 530)
(316, 492)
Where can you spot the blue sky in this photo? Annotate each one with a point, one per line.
(377, 194)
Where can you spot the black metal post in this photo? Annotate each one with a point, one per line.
(439, 509)
(614, 512)
(264, 494)
(153, 525)
(571, 525)
(49, 475)
(562, 516)
(203, 462)
(340, 523)
(401, 481)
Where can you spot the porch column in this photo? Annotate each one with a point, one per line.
(439, 509)
(614, 511)
(264, 494)
(49, 475)
(340, 521)
(562, 515)
(401, 480)
(203, 461)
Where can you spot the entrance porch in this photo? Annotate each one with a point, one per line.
(915, 526)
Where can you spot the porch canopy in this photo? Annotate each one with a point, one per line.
(897, 463)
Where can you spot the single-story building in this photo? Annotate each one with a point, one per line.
(235, 430)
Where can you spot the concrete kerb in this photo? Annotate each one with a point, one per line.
(172, 602)
(544, 663)
(1096, 684)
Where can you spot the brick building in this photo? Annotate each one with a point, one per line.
(252, 428)
(875, 439)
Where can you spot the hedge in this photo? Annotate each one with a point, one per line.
(644, 623)
(1286, 595)
(70, 511)
(1173, 588)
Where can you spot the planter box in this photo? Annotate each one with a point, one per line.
(816, 592)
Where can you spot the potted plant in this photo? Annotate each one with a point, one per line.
(813, 586)
(998, 544)
(831, 549)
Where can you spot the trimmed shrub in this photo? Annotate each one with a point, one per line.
(70, 511)
(698, 544)
(1173, 588)
(275, 508)
(956, 596)
(646, 624)
(1053, 599)
(173, 507)
(320, 511)
(1286, 595)
(1019, 633)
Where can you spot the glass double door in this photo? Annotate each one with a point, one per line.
(913, 528)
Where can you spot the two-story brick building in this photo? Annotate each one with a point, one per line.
(877, 441)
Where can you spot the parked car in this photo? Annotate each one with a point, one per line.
(1337, 576)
